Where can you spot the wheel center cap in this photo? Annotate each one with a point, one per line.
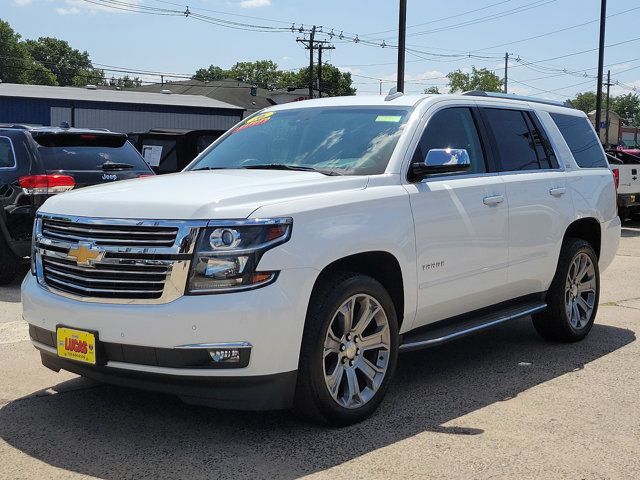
(350, 351)
(574, 291)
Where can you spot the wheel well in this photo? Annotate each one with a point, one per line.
(382, 266)
(587, 229)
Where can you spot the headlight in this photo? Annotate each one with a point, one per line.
(34, 240)
(228, 252)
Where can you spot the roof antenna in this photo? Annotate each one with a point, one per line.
(393, 94)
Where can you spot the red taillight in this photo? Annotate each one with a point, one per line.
(616, 178)
(46, 184)
(145, 175)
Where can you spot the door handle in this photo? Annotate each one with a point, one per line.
(493, 200)
(558, 191)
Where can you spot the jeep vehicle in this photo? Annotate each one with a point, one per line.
(295, 257)
(38, 162)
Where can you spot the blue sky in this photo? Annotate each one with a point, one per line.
(443, 36)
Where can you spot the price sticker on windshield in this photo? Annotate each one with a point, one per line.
(389, 118)
(255, 121)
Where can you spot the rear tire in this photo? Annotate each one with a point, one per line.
(572, 298)
(9, 263)
(349, 350)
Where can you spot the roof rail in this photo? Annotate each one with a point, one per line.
(508, 96)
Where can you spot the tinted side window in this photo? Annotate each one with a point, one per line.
(544, 150)
(7, 158)
(515, 142)
(453, 128)
(581, 139)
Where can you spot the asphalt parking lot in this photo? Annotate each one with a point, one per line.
(502, 404)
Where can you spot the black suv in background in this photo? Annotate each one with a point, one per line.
(37, 162)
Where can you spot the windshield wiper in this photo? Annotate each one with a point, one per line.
(116, 166)
(282, 166)
(207, 168)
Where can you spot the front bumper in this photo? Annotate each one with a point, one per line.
(263, 392)
(271, 319)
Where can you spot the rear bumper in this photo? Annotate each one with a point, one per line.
(629, 200)
(262, 392)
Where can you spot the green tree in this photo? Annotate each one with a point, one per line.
(15, 59)
(16, 64)
(628, 107)
(69, 65)
(478, 79)
(432, 90)
(125, 82)
(584, 101)
(209, 74)
(263, 73)
(334, 82)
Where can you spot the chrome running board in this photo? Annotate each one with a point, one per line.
(452, 329)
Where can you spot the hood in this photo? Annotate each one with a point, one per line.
(219, 194)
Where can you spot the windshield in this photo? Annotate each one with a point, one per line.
(342, 140)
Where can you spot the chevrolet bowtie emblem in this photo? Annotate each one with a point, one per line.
(85, 254)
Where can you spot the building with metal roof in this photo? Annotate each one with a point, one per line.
(239, 93)
(116, 110)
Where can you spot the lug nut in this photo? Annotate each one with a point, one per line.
(348, 336)
(357, 351)
(342, 348)
(351, 363)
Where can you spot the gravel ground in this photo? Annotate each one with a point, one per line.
(501, 404)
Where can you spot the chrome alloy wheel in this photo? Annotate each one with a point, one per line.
(580, 291)
(356, 351)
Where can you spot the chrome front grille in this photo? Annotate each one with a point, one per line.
(110, 234)
(114, 261)
(106, 280)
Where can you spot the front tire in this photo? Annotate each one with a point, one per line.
(572, 299)
(349, 350)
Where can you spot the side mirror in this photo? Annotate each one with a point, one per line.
(442, 160)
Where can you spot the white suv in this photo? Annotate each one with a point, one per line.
(293, 260)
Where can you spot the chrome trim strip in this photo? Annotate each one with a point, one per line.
(477, 328)
(100, 280)
(212, 346)
(248, 222)
(13, 151)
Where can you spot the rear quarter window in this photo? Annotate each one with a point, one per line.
(581, 139)
(7, 157)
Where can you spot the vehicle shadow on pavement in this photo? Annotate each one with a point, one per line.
(113, 433)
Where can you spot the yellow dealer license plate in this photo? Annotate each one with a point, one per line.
(76, 345)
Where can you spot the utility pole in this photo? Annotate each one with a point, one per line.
(506, 72)
(606, 122)
(162, 80)
(380, 87)
(603, 19)
(321, 46)
(312, 44)
(320, 71)
(402, 36)
(311, 38)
